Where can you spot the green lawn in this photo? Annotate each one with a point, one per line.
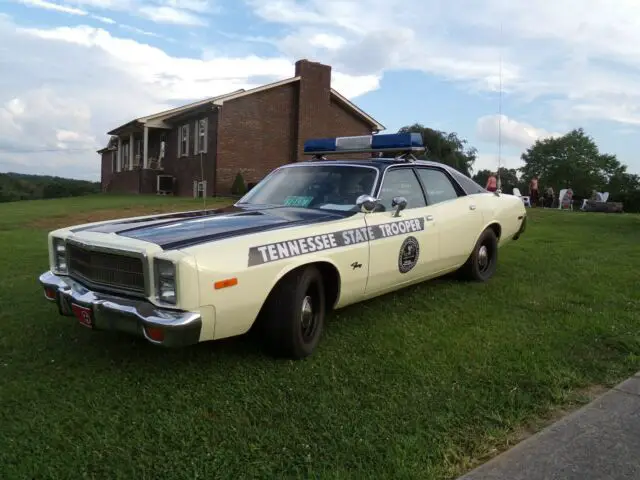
(422, 383)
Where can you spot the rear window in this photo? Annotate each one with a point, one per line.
(469, 186)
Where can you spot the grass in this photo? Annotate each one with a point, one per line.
(423, 383)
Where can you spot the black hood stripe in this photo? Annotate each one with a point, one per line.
(188, 229)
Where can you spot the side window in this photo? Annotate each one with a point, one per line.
(437, 184)
(401, 182)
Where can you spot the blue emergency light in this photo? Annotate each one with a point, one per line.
(390, 142)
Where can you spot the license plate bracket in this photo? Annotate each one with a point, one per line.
(83, 314)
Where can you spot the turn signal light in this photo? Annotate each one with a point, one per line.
(229, 282)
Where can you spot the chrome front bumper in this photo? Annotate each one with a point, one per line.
(171, 328)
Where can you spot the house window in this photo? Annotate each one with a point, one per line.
(201, 136)
(183, 140)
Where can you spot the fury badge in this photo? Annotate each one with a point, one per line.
(355, 265)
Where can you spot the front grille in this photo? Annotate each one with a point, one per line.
(106, 270)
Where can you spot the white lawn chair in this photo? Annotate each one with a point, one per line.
(525, 199)
(600, 197)
(565, 201)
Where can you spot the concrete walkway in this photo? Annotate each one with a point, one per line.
(600, 441)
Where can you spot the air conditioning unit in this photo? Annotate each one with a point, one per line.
(164, 184)
(199, 189)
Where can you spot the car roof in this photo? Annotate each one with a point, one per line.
(465, 183)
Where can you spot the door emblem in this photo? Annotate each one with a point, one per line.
(355, 265)
(409, 253)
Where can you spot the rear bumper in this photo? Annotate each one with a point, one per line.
(170, 328)
(523, 227)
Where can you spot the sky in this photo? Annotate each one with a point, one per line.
(71, 70)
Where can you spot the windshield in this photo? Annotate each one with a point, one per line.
(333, 187)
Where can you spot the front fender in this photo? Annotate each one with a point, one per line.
(237, 307)
(304, 262)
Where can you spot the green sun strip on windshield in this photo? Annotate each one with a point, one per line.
(294, 201)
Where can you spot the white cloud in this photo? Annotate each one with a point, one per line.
(353, 86)
(176, 12)
(171, 15)
(514, 133)
(80, 82)
(105, 4)
(140, 31)
(102, 19)
(577, 60)
(330, 42)
(200, 6)
(53, 6)
(582, 52)
(491, 161)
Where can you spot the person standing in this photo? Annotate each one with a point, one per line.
(533, 191)
(492, 183)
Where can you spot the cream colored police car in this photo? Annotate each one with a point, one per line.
(310, 237)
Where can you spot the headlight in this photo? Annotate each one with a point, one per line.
(59, 255)
(165, 273)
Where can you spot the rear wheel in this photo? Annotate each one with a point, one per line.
(483, 261)
(294, 314)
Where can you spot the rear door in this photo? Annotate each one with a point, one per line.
(455, 214)
(403, 249)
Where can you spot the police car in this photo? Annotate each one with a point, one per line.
(312, 236)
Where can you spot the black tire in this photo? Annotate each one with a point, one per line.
(294, 314)
(483, 261)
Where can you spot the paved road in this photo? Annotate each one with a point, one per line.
(601, 441)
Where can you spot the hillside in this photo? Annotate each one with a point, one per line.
(18, 186)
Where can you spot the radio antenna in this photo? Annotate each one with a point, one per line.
(499, 180)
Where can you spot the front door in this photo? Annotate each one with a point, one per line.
(403, 249)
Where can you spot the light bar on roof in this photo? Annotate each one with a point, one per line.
(390, 142)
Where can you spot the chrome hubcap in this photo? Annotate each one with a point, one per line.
(483, 257)
(306, 317)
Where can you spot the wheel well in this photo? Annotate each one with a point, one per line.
(331, 281)
(330, 277)
(497, 229)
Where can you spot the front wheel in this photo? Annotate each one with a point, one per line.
(294, 314)
(482, 263)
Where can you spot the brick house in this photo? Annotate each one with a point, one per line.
(250, 131)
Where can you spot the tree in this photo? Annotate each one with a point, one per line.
(572, 160)
(238, 187)
(445, 148)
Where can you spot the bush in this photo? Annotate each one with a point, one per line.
(238, 187)
(630, 201)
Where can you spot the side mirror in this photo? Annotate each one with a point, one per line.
(400, 203)
(367, 203)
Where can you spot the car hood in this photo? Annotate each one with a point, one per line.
(185, 229)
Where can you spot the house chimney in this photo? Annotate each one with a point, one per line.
(314, 101)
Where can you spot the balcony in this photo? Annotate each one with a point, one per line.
(140, 148)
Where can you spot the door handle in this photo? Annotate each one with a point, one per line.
(429, 218)
(472, 207)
